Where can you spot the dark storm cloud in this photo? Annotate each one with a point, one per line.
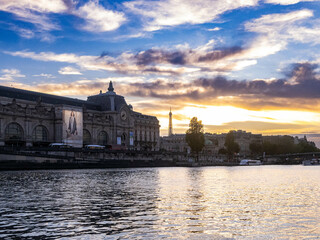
(158, 85)
(158, 70)
(222, 86)
(302, 72)
(69, 3)
(183, 57)
(152, 56)
(190, 57)
(301, 82)
(219, 54)
(163, 90)
(104, 53)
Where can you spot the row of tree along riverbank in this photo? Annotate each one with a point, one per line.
(259, 147)
(48, 158)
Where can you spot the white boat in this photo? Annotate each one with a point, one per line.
(312, 162)
(250, 162)
(95, 147)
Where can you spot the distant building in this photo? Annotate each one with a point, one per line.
(33, 119)
(213, 142)
(243, 138)
(175, 143)
(278, 139)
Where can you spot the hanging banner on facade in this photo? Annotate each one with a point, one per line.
(72, 126)
(131, 138)
(119, 140)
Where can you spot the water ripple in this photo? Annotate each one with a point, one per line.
(265, 202)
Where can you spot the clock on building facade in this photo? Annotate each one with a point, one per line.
(123, 115)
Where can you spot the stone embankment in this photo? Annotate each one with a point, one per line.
(50, 158)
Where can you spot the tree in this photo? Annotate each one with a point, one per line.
(305, 146)
(231, 145)
(255, 148)
(222, 151)
(195, 136)
(270, 148)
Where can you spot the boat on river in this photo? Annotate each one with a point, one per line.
(312, 162)
(250, 162)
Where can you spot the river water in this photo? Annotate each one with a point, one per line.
(256, 202)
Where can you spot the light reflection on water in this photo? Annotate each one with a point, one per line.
(263, 202)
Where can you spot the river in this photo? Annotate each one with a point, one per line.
(255, 202)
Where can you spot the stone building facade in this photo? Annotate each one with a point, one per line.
(213, 142)
(36, 119)
(175, 143)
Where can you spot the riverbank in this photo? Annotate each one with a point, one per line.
(49, 158)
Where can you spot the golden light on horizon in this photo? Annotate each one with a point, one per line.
(226, 115)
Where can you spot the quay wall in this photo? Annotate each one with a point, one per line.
(48, 158)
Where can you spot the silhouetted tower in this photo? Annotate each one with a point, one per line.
(170, 123)
(110, 88)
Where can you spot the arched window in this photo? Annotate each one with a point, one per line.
(86, 137)
(102, 138)
(123, 139)
(40, 134)
(14, 132)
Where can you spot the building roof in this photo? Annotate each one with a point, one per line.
(109, 101)
(16, 93)
(99, 102)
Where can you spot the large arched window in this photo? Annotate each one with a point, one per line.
(102, 138)
(86, 137)
(14, 132)
(40, 134)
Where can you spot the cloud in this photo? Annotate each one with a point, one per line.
(269, 23)
(47, 56)
(273, 33)
(288, 2)
(69, 71)
(214, 29)
(87, 62)
(10, 74)
(39, 13)
(25, 33)
(152, 61)
(46, 75)
(161, 14)
(276, 30)
(34, 11)
(301, 86)
(99, 19)
(79, 88)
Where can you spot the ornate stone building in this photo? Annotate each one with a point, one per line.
(36, 119)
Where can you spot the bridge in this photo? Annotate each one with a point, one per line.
(292, 158)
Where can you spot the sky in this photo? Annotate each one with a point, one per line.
(245, 64)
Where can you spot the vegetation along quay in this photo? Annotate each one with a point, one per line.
(48, 158)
